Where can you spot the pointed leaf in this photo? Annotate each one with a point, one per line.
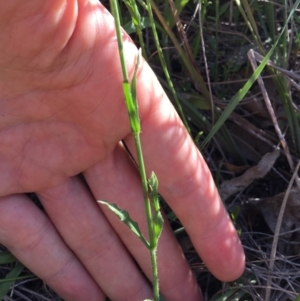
(158, 223)
(153, 186)
(130, 28)
(124, 216)
(7, 257)
(157, 220)
(10, 279)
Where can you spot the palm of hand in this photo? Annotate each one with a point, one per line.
(53, 123)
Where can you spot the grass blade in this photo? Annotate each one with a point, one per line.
(10, 279)
(242, 92)
(7, 257)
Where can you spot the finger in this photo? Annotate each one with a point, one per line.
(31, 237)
(117, 181)
(185, 181)
(78, 218)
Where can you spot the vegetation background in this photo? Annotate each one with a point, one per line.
(248, 131)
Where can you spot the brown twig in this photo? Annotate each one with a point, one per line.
(277, 231)
(253, 57)
(205, 61)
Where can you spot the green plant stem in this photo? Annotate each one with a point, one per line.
(136, 19)
(149, 216)
(164, 65)
(131, 104)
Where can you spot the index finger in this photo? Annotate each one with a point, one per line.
(185, 181)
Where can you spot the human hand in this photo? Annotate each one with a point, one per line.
(62, 114)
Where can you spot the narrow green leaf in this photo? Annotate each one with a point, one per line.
(130, 28)
(133, 83)
(153, 186)
(231, 294)
(157, 220)
(7, 257)
(153, 182)
(17, 278)
(132, 110)
(158, 223)
(124, 216)
(224, 8)
(10, 279)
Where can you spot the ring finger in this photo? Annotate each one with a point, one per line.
(84, 228)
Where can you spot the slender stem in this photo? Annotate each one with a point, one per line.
(149, 216)
(164, 65)
(116, 15)
(131, 104)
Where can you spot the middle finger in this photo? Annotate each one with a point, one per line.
(117, 180)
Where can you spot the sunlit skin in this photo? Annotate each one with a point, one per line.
(62, 114)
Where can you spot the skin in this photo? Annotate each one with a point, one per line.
(63, 114)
